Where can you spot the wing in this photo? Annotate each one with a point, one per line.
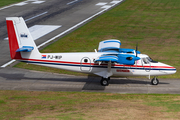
(109, 45)
(107, 58)
(125, 59)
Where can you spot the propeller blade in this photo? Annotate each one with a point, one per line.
(136, 49)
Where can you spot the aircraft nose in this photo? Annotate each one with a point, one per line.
(174, 70)
(169, 69)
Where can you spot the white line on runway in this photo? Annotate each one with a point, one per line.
(36, 16)
(6, 7)
(101, 3)
(37, 2)
(66, 31)
(71, 2)
(21, 4)
(10, 62)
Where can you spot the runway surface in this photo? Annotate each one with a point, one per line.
(20, 79)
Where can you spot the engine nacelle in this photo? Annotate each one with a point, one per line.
(127, 59)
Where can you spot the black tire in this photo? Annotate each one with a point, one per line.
(154, 81)
(104, 82)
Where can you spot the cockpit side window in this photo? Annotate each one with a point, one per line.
(151, 60)
(145, 60)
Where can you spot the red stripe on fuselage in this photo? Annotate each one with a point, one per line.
(13, 43)
(92, 64)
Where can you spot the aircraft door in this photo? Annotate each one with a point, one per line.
(85, 64)
(146, 64)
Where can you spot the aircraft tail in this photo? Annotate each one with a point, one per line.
(21, 43)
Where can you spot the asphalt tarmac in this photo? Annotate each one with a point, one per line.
(20, 79)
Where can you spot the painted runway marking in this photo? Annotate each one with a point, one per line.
(101, 3)
(6, 7)
(38, 31)
(66, 31)
(36, 16)
(21, 4)
(10, 62)
(72, 2)
(116, 2)
(27, 2)
(38, 2)
(106, 6)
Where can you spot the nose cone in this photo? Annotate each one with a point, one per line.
(172, 70)
(167, 69)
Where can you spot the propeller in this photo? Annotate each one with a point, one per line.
(136, 48)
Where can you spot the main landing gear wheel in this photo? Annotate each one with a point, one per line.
(154, 81)
(105, 81)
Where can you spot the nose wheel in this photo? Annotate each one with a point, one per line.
(154, 81)
(105, 81)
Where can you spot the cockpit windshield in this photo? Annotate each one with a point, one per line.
(150, 59)
(147, 60)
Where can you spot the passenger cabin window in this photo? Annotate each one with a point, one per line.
(85, 60)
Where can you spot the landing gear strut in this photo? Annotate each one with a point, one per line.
(154, 81)
(105, 81)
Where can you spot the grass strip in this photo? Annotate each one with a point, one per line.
(85, 106)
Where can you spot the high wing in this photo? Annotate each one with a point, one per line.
(112, 45)
(125, 59)
(107, 58)
(113, 53)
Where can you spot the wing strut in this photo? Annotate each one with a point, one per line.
(109, 66)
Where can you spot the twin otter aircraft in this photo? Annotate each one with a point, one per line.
(109, 60)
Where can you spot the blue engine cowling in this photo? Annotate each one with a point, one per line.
(127, 59)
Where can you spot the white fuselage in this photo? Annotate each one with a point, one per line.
(84, 62)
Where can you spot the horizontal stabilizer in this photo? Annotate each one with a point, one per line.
(108, 58)
(25, 49)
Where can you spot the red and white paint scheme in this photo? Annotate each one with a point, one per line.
(109, 60)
